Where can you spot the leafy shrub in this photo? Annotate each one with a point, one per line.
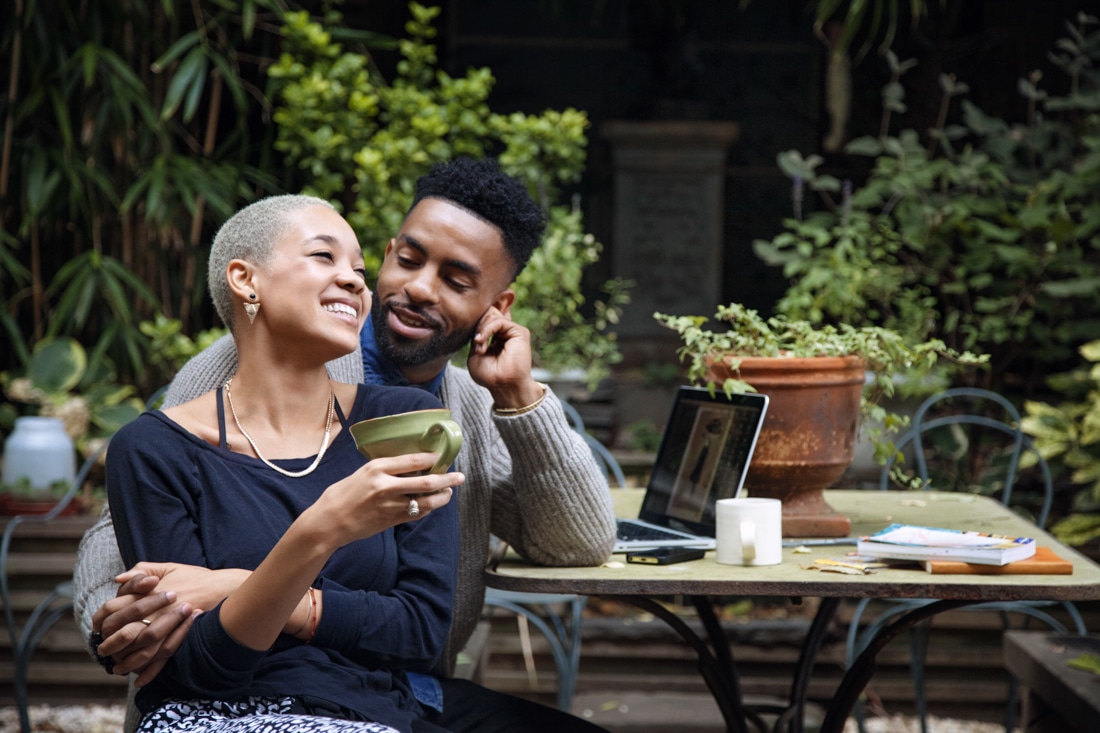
(364, 141)
(981, 232)
(1069, 433)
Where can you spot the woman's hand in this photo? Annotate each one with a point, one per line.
(170, 596)
(369, 501)
(377, 496)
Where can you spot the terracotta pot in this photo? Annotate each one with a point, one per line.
(808, 437)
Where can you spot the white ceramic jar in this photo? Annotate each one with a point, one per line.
(40, 449)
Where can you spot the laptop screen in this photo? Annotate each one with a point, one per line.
(704, 456)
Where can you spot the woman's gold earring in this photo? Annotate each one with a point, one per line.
(251, 307)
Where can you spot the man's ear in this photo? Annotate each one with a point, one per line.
(239, 276)
(504, 301)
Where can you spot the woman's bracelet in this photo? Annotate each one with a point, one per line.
(312, 614)
(305, 621)
(513, 411)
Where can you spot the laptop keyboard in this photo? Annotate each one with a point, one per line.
(632, 531)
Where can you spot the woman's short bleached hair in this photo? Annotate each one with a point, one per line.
(250, 235)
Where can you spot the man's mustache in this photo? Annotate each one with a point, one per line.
(415, 310)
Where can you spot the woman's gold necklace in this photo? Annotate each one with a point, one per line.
(251, 442)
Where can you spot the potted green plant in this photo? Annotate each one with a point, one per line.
(816, 378)
(23, 497)
(61, 383)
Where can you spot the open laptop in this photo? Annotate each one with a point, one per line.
(704, 456)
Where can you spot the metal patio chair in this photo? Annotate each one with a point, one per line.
(57, 603)
(917, 441)
(559, 616)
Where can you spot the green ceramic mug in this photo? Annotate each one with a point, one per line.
(422, 431)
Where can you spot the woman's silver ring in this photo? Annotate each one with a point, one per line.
(146, 621)
(414, 508)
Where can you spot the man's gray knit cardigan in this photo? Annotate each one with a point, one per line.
(530, 480)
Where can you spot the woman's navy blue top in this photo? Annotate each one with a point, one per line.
(387, 599)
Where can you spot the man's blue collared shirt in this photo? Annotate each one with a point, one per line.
(376, 370)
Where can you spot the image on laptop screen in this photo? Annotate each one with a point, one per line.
(703, 457)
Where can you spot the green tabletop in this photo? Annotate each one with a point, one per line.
(870, 511)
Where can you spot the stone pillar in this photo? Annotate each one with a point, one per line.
(669, 198)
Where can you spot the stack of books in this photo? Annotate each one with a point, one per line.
(952, 551)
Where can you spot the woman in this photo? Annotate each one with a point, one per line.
(351, 581)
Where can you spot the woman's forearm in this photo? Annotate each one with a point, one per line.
(275, 599)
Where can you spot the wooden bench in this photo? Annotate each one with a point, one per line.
(1056, 697)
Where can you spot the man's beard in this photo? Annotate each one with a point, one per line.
(402, 352)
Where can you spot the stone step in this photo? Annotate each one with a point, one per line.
(36, 565)
(645, 712)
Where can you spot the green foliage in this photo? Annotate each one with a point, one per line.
(562, 336)
(61, 381)
(886, 352)
(876, 22)
(170, 348)
(363, 141)
(744, 333)
(1086, 662)
(1070, 434)
(643, 435)
(128, 127)
(982, 233)
(23, 488)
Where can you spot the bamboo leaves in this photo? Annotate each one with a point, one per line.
(120, 157)
(186, 86)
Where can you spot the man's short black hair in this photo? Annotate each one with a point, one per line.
(487, 192)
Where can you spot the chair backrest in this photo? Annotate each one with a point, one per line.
(608, 463)
(1017, 444)
(9, 533)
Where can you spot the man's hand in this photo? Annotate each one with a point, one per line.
(500, 360)
(134, 645)
(170, 597)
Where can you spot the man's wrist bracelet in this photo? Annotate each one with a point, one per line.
(513, 411)
(94, 640)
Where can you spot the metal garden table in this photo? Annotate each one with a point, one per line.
(870, 511)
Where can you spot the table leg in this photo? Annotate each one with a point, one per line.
(860, 671)
(716, 667)
(723, 655)
(794, 717)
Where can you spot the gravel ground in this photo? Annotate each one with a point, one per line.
(67, 719)
(909, 724)
(108, 719)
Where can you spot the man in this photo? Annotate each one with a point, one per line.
(530, 479)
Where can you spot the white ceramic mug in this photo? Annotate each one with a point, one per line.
(749, 531)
